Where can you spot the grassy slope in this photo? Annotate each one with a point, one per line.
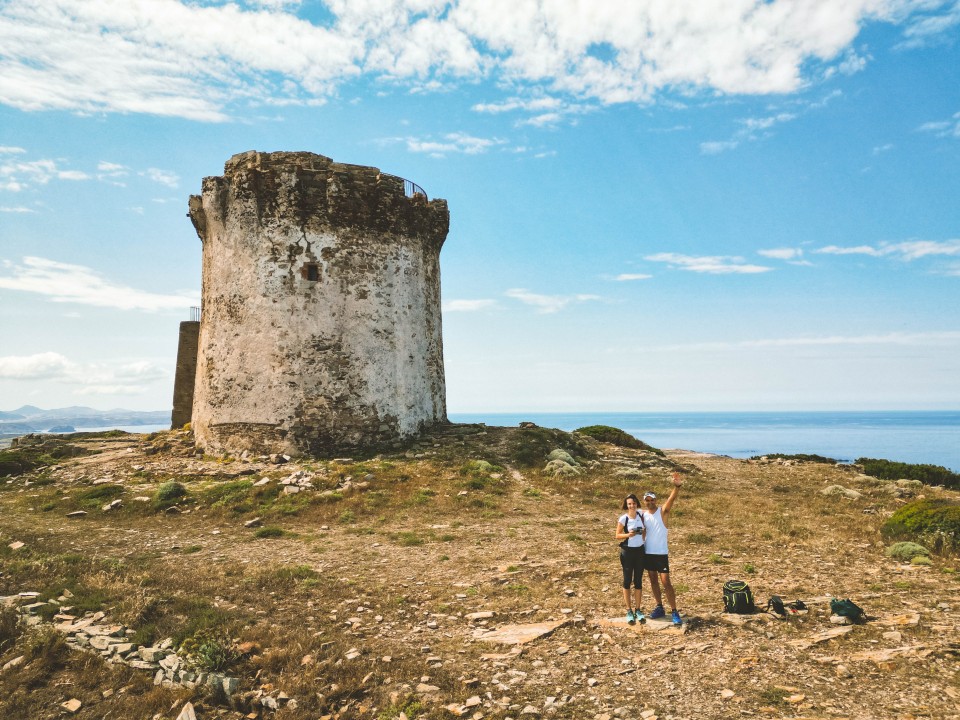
(433, 538)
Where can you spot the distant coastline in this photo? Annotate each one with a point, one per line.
(922, 436)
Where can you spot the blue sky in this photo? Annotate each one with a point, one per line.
(682, 205)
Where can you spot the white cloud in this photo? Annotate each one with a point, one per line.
(924, 30)
(879, 149)
(943, 128)
(127, 390)
(65, 283)
(713, 265)
(623, 277)
(937, 338)
(750, 129)
(16, 209)
(193, 59)
(454, 143)
(163, 177)
(908, 250)
(120, 378)
(467, 305)
(547, 303)
(16, 175)
(781, 253)
(715, 147)
(10, 150)
(42, 366)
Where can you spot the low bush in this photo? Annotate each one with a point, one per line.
(270, 531)
(210, 650)
(927, 474)
(168, 493)
(906, 551)
(802, 457)
(616, 436)
(530, 447)
(934, 523)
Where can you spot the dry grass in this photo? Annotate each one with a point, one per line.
(426, 541)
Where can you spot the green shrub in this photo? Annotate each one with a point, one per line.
(270, 531)
(167, 494)
(921, 560)
(530, 447)
(906, 551)
(616, 436)
(933, 523)
(209, 650)
(803, 457)
(227, 493)
(927, 474)
(98, 494)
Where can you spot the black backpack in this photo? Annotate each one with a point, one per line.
(737, 598)
(848, 609)
(775, 603)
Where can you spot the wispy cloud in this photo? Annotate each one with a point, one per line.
(118, 378)
(937, 338)
(467, 305)
(943, 128)
(164, 177)
(453, 143)
(16, 209)
(541, 110)
(160, 57)
(750, 129)
(64, 283)
(909, 250)
(713, 265)
(545, 304)
(626, 277)
(933, 28)
(781, 253)
(17, 175)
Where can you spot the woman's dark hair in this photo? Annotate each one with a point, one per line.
(631, 496)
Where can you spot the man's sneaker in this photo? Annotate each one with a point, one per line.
(630, 617)
(657, 613)
(677, 620)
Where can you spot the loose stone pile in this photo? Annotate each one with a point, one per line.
(93, 632)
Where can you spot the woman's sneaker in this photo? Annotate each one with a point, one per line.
(677, 620)
(638, 615)
(631, 618)
(657, 613)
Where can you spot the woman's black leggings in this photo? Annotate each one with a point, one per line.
(631, 560)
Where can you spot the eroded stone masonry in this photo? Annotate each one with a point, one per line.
(321, 326)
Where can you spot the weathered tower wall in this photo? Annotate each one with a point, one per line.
(321, 327)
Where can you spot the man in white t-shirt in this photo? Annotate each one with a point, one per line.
(656, 561)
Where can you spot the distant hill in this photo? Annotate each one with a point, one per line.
(29, 419)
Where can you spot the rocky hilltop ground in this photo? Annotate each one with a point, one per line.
(467, 576)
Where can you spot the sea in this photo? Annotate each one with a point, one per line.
(930, 437)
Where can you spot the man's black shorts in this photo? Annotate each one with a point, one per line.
(659, 563)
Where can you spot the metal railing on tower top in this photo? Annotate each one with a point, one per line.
(194, 314)
(410, 189)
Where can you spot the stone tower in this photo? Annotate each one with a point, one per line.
(320, 330)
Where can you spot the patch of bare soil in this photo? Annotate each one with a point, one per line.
(377, 589)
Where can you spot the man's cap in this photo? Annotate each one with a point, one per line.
(649, 495)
